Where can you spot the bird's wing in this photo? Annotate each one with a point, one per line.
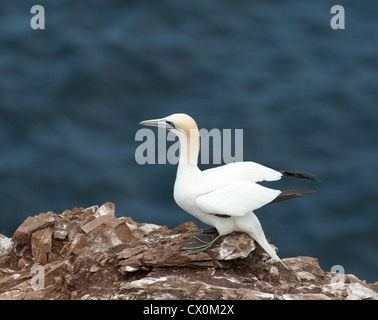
(236, 199)
(246, 171)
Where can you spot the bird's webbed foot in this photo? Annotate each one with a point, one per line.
(201, 243)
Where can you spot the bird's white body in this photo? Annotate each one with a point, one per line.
(206, 193)
(223, 197)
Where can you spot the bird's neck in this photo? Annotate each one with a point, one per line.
(189, 148)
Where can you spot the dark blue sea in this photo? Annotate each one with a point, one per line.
(305, 95)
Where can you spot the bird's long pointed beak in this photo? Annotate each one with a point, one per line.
(154, 123)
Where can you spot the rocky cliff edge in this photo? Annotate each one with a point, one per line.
(88, 253)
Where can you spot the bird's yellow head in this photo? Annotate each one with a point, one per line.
(185, 128)
(178, 121)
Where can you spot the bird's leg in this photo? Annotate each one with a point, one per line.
(201, 244)
(207, 231)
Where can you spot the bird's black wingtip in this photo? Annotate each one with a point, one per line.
(290, 194)
(302, 175)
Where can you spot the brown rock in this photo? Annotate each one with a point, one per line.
(306, 296)
(91, 210)
(177, 286)
(90, 254)
(133, 251)
(60, 234)
(307, 268)
(166, 251)
(41, 245)
(185, 227)
(109, 222)
(100, 235)
(147, 228)
(22, 263)
(106, 209)
(122, 231)
(54, 270)
(78, 244)
(99, 240)
(236, 246)
(90, 226)
(6, 245)
(32, 224)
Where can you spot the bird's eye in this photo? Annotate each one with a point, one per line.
(170, 123)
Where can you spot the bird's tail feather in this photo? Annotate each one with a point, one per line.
(272, 253)
(290, 194)
(302, 175)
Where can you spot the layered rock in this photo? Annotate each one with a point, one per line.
(91, 254)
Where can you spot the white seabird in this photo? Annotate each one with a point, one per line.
(226, 196)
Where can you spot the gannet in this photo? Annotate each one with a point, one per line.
(226, 196)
